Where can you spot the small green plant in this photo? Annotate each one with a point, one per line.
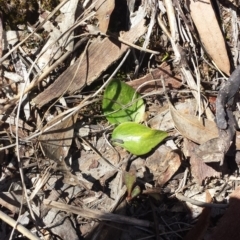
(122, 105)
(129, 179)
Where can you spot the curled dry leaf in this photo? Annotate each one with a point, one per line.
(190, 126)
(210, 33)
(204, 133)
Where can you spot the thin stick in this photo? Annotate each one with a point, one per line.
(97, 214)
(199, 203)
(131, 44)
(19, 227)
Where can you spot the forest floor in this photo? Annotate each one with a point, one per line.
(119, 120)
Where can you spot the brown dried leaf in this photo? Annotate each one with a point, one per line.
(163, 164)
(164, 71)
(104, 10)
(210, 33)
(228, 227)
(190, 126)
(57, 141)
(173, 162)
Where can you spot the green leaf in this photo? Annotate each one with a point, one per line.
(135, 192)
(129, 180)
(136, 138)
(120, 105)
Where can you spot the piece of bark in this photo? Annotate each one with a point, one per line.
(164, 72)
(199, 169)
(225, 97)
(98, 57)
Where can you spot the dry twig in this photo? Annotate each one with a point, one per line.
(19, 227)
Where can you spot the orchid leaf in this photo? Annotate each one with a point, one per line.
(120, 103)
(136, 138)
(135, 192)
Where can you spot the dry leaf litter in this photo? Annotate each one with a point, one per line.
(61, 176)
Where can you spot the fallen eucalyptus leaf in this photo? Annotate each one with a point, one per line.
(192, 128)
(117, 105)
(136, 138)
(210, 33)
